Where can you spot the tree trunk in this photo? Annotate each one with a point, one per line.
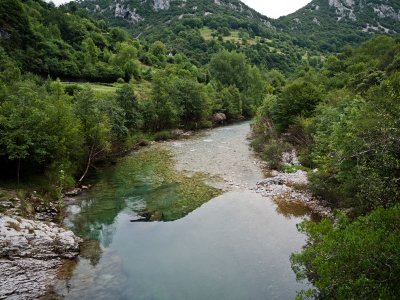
(89, 162)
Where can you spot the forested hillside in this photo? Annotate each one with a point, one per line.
(199, 29)
(328, 25)
(322, 26)
(49, 127)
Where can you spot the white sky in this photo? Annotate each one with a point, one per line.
(270, 8)
(276, 8)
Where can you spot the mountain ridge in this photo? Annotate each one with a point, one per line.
(321, 25)
(137, 11)
(331, 24)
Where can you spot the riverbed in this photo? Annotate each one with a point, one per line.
(235, 245)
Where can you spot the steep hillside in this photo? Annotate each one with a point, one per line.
(327, 25)
(200, 28)
(147, 14)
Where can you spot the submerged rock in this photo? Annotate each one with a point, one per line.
(30, 253)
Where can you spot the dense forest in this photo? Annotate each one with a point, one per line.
(77, 89)
(50, 128)
(199, 29)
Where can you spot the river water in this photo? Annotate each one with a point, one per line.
(235, 246)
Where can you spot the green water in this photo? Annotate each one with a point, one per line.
(144, 186)
(197, 242)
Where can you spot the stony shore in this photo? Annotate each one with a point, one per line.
(292, 187)
(30, 254)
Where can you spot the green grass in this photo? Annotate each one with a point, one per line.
(100, 90)
(142, 89)
(206, 33)
(294, 168)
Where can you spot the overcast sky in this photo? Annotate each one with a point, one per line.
(270, 8)
(276, 8)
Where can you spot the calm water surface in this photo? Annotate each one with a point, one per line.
(236, 246)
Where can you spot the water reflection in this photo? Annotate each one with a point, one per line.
(294, 209)
(235, 246)
(146, 187)
(92, 251)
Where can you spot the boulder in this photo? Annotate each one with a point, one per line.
(22, 238)
(218, 118)
(30, 254)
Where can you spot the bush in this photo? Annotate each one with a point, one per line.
(352, 260)
(70, 89)
(165, 135)
(272, 153)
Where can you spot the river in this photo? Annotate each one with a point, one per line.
(234, 246)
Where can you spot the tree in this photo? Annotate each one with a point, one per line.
(165, 109)
(357, 147)
(95, 125)
(275, 82)
(158, 51)
(39, 127)
(230, 69)
(14, 24)
(352, 259)
(127, 100)
(298, 99)
(192, 100)
(231, 102)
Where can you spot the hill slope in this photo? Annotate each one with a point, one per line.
(327, 25)
(147, 14)
(199, 29)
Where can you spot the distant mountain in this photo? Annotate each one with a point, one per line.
(322, 25)
(147, 14)
(200, 28)
(329, 24)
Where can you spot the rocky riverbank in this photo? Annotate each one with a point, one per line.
(292, 187)
(30, 254)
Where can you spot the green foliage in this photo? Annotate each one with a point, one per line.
(38, 126)
(323, 27)
(298, 99)
(96, 126)
(266, 140)
(127, 100)
(344, 122)
(231, 70)
(352, 259)
(14, 25)
(230, 102)
(164, 135)
(356, 141)
(177, 99)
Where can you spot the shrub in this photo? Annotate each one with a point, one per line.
(352, 260)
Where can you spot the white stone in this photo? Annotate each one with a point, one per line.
(161, 4)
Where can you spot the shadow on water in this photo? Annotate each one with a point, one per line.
(294, 209)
